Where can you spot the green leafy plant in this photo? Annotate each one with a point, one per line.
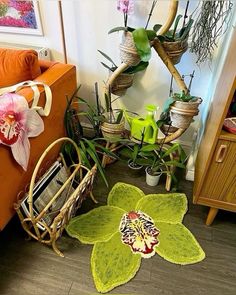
(90, 149)
(131, 70)
(158, 158)
(175, 35)
(141, 36)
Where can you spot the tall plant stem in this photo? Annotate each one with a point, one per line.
(97, 99)
(185, 13)
(154, 2)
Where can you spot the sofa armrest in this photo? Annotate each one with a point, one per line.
(61, 78)
(52, 76)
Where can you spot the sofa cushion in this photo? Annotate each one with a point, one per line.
(18, 66)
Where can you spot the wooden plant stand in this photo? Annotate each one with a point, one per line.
(35, 223)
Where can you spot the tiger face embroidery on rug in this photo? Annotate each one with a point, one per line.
(139, 232)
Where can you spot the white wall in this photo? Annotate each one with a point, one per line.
(86, 25)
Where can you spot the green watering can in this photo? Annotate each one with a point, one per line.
(144, 128)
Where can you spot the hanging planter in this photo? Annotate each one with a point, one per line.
(175, 49)
(128, 51)
(182, 112)
(121, 83)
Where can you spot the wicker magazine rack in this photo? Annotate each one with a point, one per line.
(45, 218)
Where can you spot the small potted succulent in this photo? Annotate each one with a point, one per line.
(125, 80)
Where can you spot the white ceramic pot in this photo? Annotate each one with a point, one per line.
(152, 180)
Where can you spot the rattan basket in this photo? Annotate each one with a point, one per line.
(39, 224)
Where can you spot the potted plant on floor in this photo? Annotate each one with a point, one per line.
(175, 42)
(125, 79)
(163, 161)
(90, 149)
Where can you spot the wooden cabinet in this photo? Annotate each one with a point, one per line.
(215, 169)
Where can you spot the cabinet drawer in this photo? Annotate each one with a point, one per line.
(220, 181)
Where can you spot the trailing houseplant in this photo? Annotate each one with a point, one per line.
(125, 79)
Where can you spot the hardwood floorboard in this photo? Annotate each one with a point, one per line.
(29, 268)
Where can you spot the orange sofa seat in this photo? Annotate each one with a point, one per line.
(13, 179)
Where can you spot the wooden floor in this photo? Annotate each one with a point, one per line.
(27, 267)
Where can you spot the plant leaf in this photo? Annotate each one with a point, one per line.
(164, 207)
(157, 27)
(176, 24)
(177, 244)
(107, 57)
(175, 163)
(107, 67)
(113, 264)
(117, 29)
(151, 34)
(120, 116)
(170, 150)
(138, 68)
(117, 193)
(142, 44)
(88, 230)
(149, 147)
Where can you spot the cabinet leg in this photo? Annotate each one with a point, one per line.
(211, 215)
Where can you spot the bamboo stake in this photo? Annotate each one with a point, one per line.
(166, 60)
(172, 14)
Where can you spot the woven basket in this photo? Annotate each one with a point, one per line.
(46, 225)
(111, 131)
(175, 50)
(182, 113)
(128, 51)
(121, 84)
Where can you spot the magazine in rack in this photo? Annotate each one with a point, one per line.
(45, 189)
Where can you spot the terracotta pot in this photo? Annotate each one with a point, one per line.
(128, 51)
(175, 50)
(121, 84)
(182, 113)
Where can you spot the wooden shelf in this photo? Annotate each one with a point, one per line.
(227, 136)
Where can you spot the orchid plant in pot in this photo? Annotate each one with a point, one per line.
(136, 43)
(161, 160)
(175, 42)
(125, 79)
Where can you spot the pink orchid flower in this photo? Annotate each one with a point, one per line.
(17, 123)
(125, 6)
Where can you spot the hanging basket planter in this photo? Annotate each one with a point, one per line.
(182, 113)
(175, 49)
(121, 84)
(128, 51)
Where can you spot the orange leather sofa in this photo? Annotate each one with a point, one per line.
(13, 179)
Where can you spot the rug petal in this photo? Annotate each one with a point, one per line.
(97, 225)
(177, 244)
(124, 196)
(164, 207)
(113, 264)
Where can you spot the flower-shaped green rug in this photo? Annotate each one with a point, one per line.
(133, 226)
